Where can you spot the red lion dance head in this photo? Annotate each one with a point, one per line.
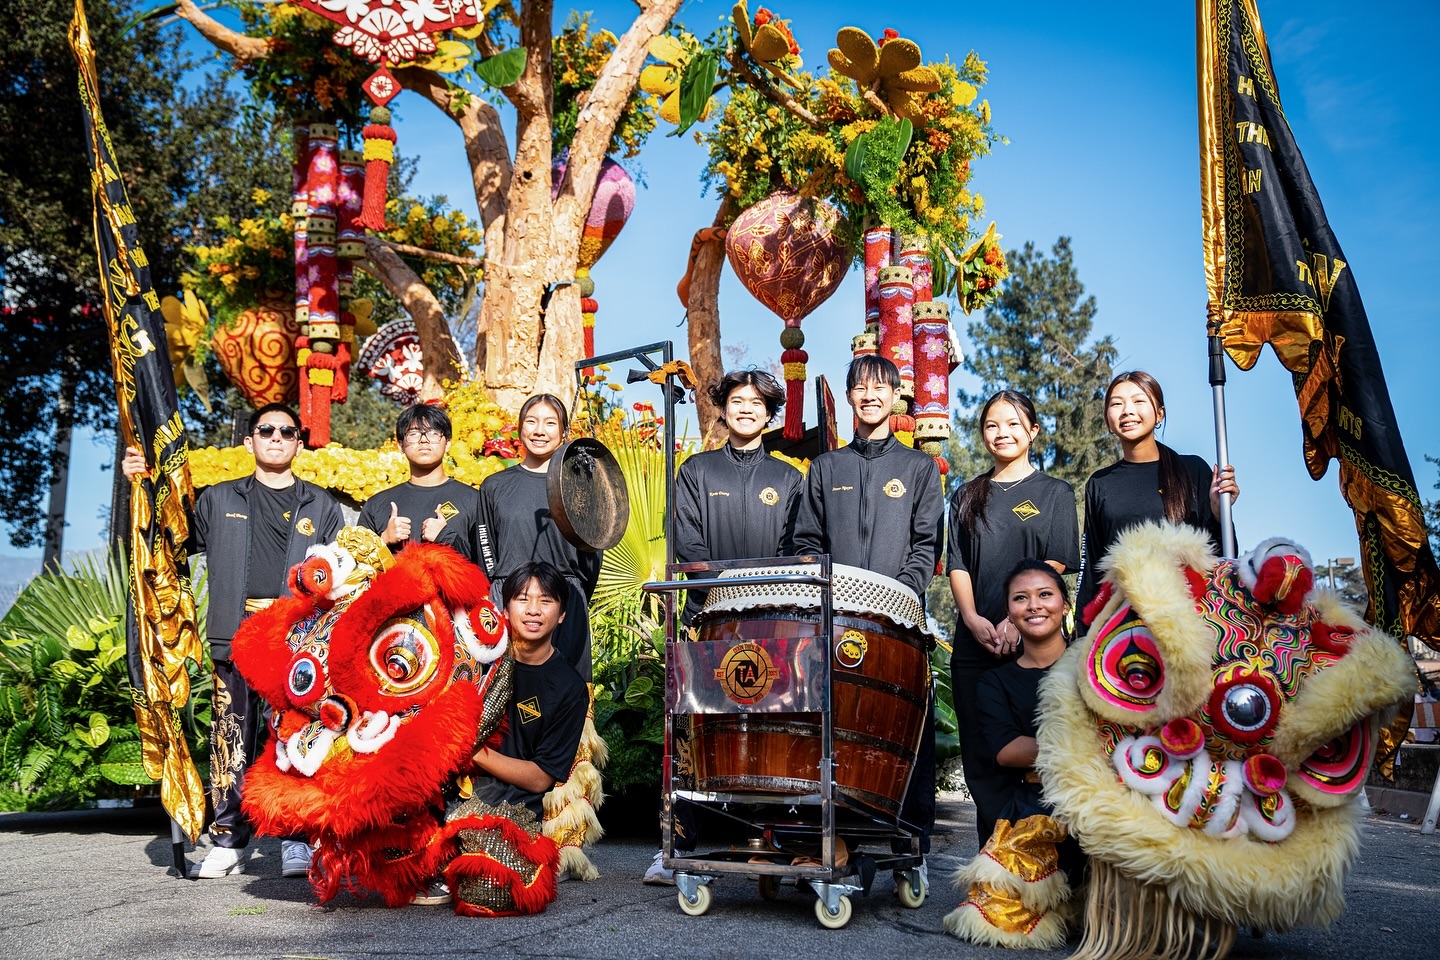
(383, 676)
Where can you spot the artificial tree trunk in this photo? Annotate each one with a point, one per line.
(703, 316)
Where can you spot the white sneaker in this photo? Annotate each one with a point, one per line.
(295, 858)
(658, 874)
(219, 862)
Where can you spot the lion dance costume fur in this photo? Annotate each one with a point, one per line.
(383, 676)
(1207, 741)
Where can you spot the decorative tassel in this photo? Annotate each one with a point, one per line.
(379, 154)
(588, 308)
(794, 359)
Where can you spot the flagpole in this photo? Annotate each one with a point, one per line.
(1222, 439)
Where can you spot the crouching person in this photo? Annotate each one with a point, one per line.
(505, 864)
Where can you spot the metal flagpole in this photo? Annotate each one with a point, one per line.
(177, 848)
(1222, 441)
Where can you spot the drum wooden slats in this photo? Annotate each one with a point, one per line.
(878, 709)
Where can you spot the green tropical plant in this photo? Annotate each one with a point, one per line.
(67, 723)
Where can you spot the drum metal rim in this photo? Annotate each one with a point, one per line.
(743, 724)
(784, 785)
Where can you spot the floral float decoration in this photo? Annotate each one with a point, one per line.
(186, 320)
(787, 252)
(257, 351)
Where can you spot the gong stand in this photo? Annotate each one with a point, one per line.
(646, 357)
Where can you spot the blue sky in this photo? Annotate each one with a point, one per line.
(1098, 102)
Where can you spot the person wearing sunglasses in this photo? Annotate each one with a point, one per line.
(251, 530)
(430, 506)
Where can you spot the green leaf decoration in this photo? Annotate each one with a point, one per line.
(35, 764)
(855, 159)
(12, 705)
(79, 639)
(50, 712)
(638, 693)
(502, 69)
(121, 764)
(12, 750)
(66, 669)
(99, 729)
(697, 83)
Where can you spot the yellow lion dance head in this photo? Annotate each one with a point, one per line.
(1207, 741)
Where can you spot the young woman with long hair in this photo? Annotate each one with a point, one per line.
(1009, 513)
(1149, 481)
(516, 526)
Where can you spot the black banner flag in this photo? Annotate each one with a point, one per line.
(1275, 274)
(161, 628)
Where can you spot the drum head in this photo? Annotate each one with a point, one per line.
(588, 496)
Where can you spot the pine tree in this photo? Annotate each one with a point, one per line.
(1035, 339)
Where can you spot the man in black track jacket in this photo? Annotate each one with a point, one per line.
(737, 502)
(252, 531)
(878, 504)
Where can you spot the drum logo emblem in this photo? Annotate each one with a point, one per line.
(895, 489)
(746, 673)
(850, 651)
(769, 496)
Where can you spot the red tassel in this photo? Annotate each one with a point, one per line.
(794, 364)
(379, 154)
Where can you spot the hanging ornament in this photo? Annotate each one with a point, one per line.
(610, 208)
(384, 31)
(786, 252)
(257, 351)
(392, 356)
(322, 354)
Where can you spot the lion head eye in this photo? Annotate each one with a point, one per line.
(305, 682)
(1126, 668)
(404, 655)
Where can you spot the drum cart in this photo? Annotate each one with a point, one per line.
(772, 680)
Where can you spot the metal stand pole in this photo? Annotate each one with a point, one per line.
(177, 850)
(1222, 441)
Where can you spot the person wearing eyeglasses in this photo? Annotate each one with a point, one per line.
(251, 530)
(430, 506)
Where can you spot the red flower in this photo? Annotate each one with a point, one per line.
(763, 16)
(889, 35)
(992, 256)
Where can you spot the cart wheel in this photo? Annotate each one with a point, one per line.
(910, 897)
(699, 905)
(836, 920)
(769, 888)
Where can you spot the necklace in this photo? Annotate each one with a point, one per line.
(1013, 483)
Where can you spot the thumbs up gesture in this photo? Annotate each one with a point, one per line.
(398, 529)
(432, 526)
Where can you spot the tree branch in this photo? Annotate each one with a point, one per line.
(442, 359)
(770, 92)
(239, 45)
(409, 250)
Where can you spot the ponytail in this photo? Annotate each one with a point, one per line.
(1176, 491)
(973, 498)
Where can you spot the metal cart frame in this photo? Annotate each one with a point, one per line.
(813, 662)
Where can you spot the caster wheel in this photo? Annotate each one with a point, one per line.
(769, 888)
(836, 920)
(912, 898)
(699, 905)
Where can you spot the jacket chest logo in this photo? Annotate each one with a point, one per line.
(1025, 511)
(305, 526)
(286, 515)
(894, 489)
(769, 496)
(529, 709)
(447, 510)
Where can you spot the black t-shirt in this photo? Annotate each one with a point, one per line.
(1006, 699)
(270, 514)
(1034, 518)
(515, 527)
(457, 502)
(543, 725)
(1124, 494)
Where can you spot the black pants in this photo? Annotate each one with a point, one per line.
(237, 713)
(918, 810)
(990, 787)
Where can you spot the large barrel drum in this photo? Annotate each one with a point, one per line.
(881, 681)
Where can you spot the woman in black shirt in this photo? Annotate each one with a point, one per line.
(1005, 515)
(1149, 482)
(1004, 908)
(516, 527)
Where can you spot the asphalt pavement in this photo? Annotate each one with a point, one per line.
(96, 886)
